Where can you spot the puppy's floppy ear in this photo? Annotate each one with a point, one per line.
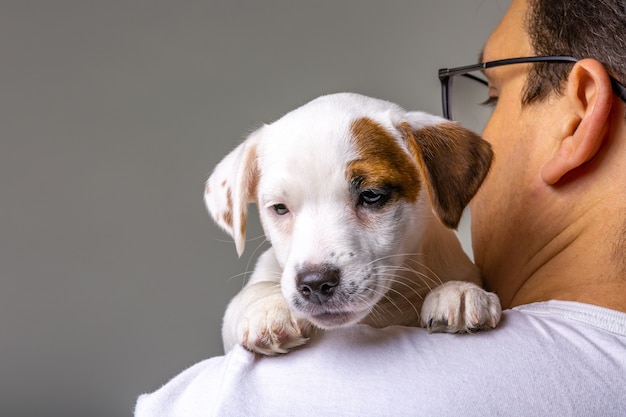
(453, 160)
(231, 187)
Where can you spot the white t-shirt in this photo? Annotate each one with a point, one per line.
(555, 358)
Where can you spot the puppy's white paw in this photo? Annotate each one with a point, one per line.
(460, 307)
(268, 327)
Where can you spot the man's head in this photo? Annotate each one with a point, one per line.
(554, 132)
(582, 29)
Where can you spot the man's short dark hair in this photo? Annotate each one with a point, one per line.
(579, 28)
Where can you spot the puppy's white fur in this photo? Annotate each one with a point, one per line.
(353, 194)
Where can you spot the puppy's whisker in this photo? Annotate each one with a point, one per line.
(381, 313)
(434, 279)
(254, 252)
(275, 275)
(378, 314)
(399, 280)
(217, 239)
(411, 288)
(417, 313)
(425, 278)
(410, 258)
(391, 256)
(242, 274)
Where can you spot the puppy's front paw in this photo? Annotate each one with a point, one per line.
(268, 327)
(460, 307)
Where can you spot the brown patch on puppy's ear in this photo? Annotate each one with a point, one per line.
(454, 162)
(227, 216)
(231, 187)
(249, 182)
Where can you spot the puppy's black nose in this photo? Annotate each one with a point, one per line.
(318, 284)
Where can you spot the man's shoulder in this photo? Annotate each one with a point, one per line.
(544, 358)
(576, 314)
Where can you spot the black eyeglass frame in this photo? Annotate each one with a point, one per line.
(446, 74)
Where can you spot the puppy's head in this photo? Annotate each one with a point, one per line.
(345, 186)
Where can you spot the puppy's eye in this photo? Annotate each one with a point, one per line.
(373, 198)
(280, 209)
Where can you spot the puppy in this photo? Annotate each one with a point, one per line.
(357, 198)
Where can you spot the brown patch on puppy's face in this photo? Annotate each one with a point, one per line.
(382, 166)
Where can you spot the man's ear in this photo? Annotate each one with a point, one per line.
(589, 98)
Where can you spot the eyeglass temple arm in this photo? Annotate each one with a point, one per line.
(444, 74)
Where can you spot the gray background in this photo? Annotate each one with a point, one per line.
(112, 114)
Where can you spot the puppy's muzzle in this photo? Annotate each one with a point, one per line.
(317, 284)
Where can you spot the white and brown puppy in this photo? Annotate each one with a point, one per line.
(357, 197)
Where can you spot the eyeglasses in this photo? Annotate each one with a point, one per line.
(464, 89)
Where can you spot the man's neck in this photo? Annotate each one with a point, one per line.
(580, 270)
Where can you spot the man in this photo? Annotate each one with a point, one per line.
(549, 233)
